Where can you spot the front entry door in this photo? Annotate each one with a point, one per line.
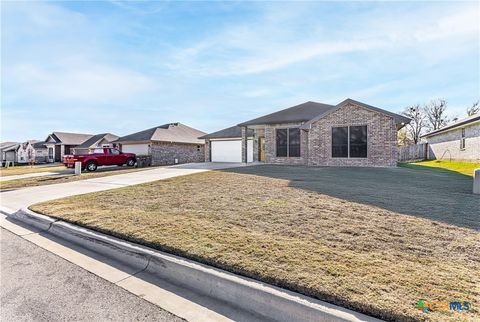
(261, 147)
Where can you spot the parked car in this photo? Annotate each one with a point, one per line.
(99, 157)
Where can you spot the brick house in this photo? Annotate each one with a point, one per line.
(165, 144)
(459, 141)
(350, 133)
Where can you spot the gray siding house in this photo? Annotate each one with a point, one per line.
(59, 144)
(459, 141)
(166, 144)
(350, 133)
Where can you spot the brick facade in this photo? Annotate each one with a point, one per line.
(316, 143)
(164, 153)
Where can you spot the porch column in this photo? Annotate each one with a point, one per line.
(244, 144)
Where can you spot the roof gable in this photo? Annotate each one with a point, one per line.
(68, 138)
(170, 132)
(96, 138)
(399, 119)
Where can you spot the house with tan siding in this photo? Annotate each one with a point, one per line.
(459, 141)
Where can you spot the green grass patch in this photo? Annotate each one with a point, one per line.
(465, 168)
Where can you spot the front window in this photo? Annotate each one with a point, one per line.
(288, 142)
(50, 153)
(462, 140)
(349, 142)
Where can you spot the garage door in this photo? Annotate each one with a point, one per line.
(230, 151)
(138, 149)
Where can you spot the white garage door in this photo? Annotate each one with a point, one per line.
(230, 151)
(138, 149)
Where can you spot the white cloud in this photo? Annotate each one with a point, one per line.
(78, 80)
(269, 44)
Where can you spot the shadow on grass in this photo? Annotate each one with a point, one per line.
(426, 192)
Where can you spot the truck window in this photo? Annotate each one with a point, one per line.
(98, 151)
(114, 151)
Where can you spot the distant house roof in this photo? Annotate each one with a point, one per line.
(70, 138)
(6, 145)
(39, 145)
(312, 111)
(11, 146)
(471, 119)
(231, 132)
(171, 132)
(91, 142)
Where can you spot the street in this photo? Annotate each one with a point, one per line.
(37, 285)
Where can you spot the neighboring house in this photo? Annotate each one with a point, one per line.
(8, 151)
(348, 134)
(459, 141)
(166, 144)
(226, 145)
(61, 143)
(41, 152)
(103, 140)
(26, 152)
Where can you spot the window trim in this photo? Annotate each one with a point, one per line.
(288, 141)
(348, 142)
(462, 139)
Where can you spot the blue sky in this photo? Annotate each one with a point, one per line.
(121, 67)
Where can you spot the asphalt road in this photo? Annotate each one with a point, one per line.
(36, 285)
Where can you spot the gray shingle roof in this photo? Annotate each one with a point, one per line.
(5, 145)
(39, 145)
(399, 119)
(94, 140)
(298, 113)
(171, 132)
(468, 120)
(312, 111)
(230, 132)
(70, 138)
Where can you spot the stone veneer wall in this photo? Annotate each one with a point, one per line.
(208, 146)
(381, 137)
(446, 145)
(164, 153)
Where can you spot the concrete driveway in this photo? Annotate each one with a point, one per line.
(11, 201)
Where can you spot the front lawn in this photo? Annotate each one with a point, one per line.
(256, 222)
(62, 178)
(12, 171)
(465, 168)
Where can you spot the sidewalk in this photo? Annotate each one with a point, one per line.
(14, 200)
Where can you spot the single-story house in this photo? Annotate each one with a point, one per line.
(166, 144)
(459, 141)
(26, 152)
(8, 151)
(61, 143)
(103, 140)
(226, 145)
(41, 152)
(350, 133)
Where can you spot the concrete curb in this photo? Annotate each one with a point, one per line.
(265, 301)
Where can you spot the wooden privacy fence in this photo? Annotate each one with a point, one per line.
(414, 152)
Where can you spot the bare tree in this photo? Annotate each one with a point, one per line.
(435, 112)
(403, 137)
(474, 109)
(417, 124)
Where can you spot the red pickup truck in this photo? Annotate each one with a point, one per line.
(100, 156)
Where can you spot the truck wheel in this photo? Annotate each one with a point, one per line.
(130, 162)
(91, 166)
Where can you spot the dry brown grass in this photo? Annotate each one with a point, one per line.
(62, 178)
(359, 256)
(13, 171)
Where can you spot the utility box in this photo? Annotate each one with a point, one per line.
(78, 168)
(476, 181)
